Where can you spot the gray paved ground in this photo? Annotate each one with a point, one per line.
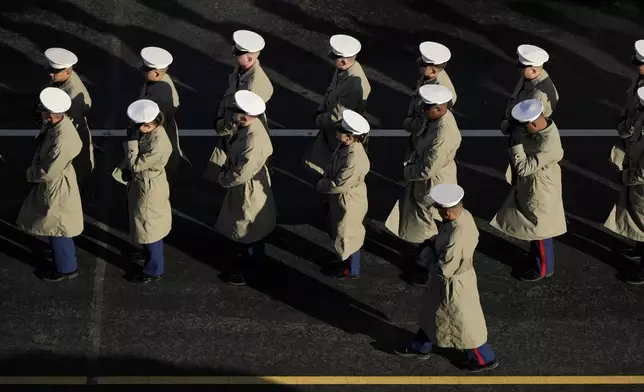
(292, 320)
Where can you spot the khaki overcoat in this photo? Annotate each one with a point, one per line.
(542, 88)
(627, 215)
(534, 208)
(248, 213)
(81, 104)
(451, 314)
(255, 80)
(164, 94)
(344, 182)
(53, 206)
(148, 193)
(349, 89)
(431, 163)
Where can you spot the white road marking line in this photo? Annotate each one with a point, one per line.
(466, 133)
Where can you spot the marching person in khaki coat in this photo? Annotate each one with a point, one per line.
(534, 83)
(247, 75)
(534, 208)
(627, 216)
(630, 112)
(431, 163)
(53, 207)
(349, 89)
(432, 61)
(248, 213)
(344, 182)
(451, 315)
(63, 77)
(159, 87)
(147, 151)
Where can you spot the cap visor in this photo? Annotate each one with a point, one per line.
(55, 70)
(237, 52)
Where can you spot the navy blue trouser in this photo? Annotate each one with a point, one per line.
(476, 356)
(63, 253)
(252, 254)
(154, 258)
(352, 264)
(543, 254)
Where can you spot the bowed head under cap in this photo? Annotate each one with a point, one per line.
(434, 94)
(143, 111)
(354, 123)
(55, 100)
(447, 195)
(527, 111)
(156, 58)
(250, 103)
(60, 58)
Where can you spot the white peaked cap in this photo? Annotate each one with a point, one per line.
(640, 95)
(639, 50)
(55, 100)
(447, 195)
(527, 111)
(434, 94)
(434, 53)
(251, 103)
(143, 111)
(60, 58)
(156, 58)
(532, 56)
(354, 123)
(344, 45)
(248, 41)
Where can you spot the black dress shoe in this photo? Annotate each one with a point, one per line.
(53, 276)
(533, 276)
(236, 279)
(482, 368)
(409, 352)
(144, 278)
(343, 274)
(637, 278)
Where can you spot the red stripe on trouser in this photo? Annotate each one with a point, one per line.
(478, 356)
(542, 249)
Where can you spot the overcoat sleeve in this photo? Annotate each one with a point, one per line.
(343, 180)
(52, 165)
(526, 165)
(450, 256)
(350, 98)
(136, 162)
(433, 160)
(248, 164)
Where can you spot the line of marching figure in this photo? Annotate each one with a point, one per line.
(452, 315)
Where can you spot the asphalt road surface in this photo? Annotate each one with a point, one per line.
(291, 320)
